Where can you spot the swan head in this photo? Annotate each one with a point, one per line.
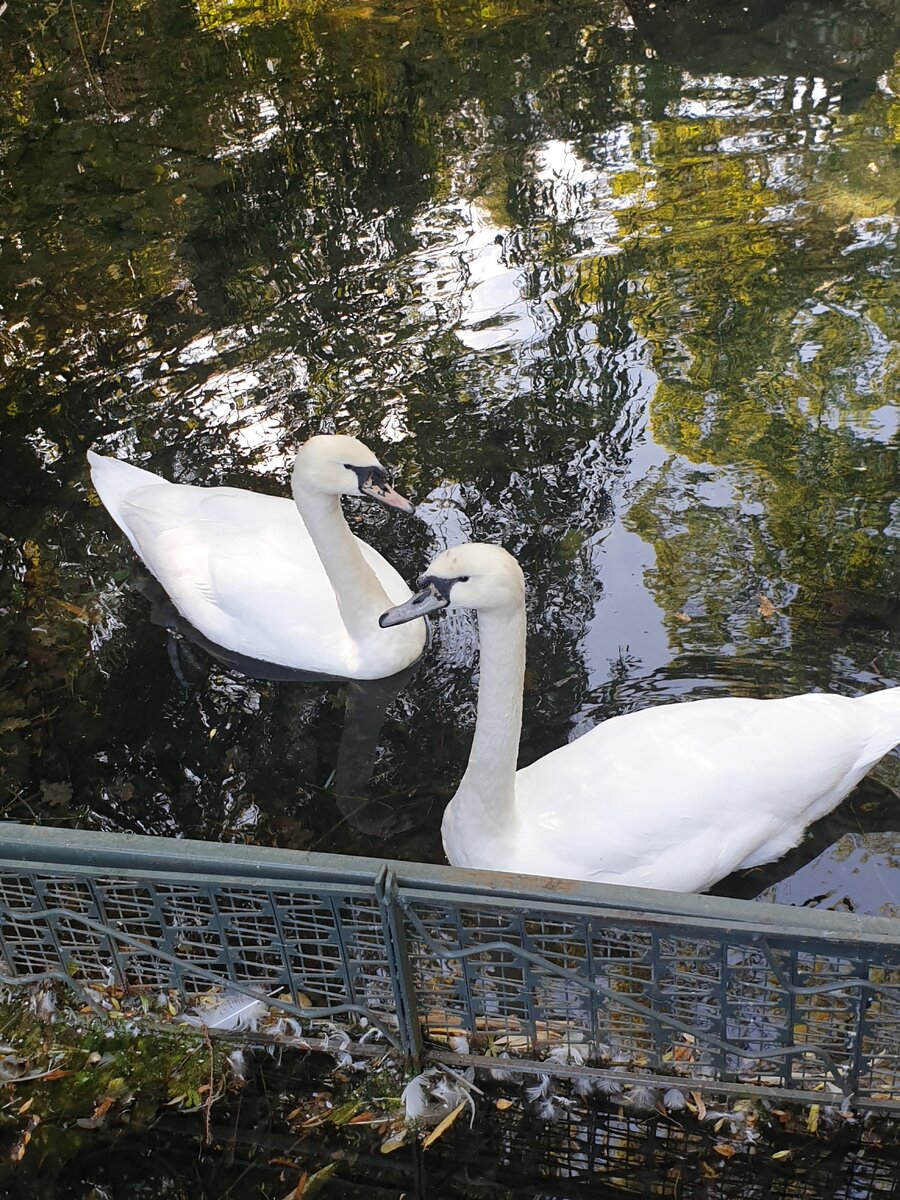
(339, 465)
(475, 575)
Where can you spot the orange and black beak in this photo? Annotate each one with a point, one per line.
(373, 482)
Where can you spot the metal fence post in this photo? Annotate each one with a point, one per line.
(388, 893)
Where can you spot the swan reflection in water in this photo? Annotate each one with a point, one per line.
(367, 702)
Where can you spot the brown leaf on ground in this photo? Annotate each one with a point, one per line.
(440, 1130)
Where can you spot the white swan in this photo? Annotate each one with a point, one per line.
(672, 797)
(260, 578)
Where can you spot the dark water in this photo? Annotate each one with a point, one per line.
(257, 1148)
(614, 284)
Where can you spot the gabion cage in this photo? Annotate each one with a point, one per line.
(464, 966)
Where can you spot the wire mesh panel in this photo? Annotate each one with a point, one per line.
(644, 986)
(324, 949)
(658, 996)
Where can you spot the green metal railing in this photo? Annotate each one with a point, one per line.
(462, 966)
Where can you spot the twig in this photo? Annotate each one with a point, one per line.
(106, 28)
(208, 1102)
(87, 65)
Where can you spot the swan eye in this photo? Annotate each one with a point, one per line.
(463, 579)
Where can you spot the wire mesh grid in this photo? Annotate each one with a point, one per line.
(646, 1154)
(323, 948)
(443, 962)
(656, 996)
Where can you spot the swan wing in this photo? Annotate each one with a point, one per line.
(679, 795)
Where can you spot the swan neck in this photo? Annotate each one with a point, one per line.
(356, 586)
(490, 778)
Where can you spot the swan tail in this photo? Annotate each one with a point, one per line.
(114, 478)
(115, 481)
(883, 710)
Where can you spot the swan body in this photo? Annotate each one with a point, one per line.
(270, 578)
(674, 797)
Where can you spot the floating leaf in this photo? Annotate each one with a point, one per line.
(766, 607)
(683, 617)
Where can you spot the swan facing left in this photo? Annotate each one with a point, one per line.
(677, 796)
(284, 581)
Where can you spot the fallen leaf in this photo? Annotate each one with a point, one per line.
(25, 1107)
(782, 1154)
(342, 1114)
(708, 1172)
(363, 1116)
(812, 1121)
(441, 1129)
(81, 613)
(12, 723)
(701, 1107)
(394, 1142)
(296, 1192)
(766, 607)
(503, 1105)
(56, 793)
(318, 1180)
(725, 1150)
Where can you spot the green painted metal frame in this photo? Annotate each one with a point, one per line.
(638, 986)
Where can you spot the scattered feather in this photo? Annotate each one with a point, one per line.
(230, 1012)
(568, 1054)
(500, 1073)
(607, 1086)
(641, 1097)
(538, 1091)
(237, 1060)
